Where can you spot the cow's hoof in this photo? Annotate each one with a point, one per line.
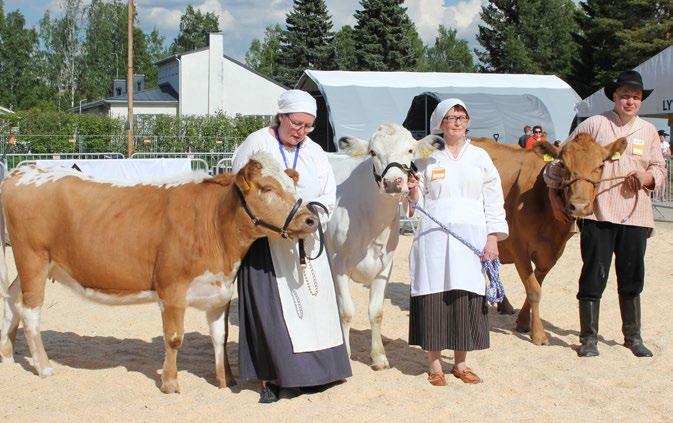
(46, 372)
(523, 327)
(380, 363)
(170, 387)
(6, 360)
(505, 308)
(540, 340)
(227, 383)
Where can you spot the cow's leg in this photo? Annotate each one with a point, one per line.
(10, 323)
(505, 307)
(377, 292)
(346, 307)
(173, 316)
(532, 304)
(219, 327)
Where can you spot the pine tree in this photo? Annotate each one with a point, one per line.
(610, 42)
(385, 37)
(307, 41)
(195, 28)
(528, 36)
(344, 48)
(448, 54)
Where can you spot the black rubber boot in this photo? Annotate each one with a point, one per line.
(630, 309)
(588, 328)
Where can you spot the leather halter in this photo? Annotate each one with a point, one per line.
(411, 169)
(259, 222)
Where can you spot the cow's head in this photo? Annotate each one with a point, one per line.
(268, 197)
(392, 150)
(582, 159)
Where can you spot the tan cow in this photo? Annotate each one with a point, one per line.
(536, 238)
(178, 244)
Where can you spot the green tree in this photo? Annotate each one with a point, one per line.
(344, 48)
(62, 49)
(307, 41)
(106, 49)
(448, 54)
(195, 27)
(21, 85)
(262, 56)
(528, 36)
(385, 37)
(618, 35)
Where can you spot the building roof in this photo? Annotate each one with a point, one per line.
(163, 93)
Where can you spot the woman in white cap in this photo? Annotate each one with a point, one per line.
(460, 187)
(290, 334)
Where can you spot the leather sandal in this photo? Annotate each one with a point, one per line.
(436, 379)
(467, 375)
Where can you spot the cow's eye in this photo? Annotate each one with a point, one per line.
(265, 189)
(372, 153)
(411, 151)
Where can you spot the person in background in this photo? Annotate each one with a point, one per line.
(622, 219)
(290, 332)
(461, 188)
(665, 145)
(527, 132)
(538, 135)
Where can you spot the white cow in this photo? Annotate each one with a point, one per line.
(364, 230)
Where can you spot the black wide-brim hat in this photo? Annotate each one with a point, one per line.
(630, 79)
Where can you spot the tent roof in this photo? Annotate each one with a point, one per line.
(657, 73)
(358, 102)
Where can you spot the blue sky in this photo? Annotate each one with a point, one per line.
(243, 20)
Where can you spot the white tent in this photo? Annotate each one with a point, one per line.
(657, 73)
(355, 103)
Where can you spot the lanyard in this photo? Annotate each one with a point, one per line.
(282, 152)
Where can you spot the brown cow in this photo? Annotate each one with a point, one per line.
(178, 244)
(535, 236)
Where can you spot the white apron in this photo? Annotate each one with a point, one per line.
(453, 194)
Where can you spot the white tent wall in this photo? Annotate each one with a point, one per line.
(358, 102)
(657, 73)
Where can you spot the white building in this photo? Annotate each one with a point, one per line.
(199, 82)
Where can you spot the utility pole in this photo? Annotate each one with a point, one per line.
(129, 79)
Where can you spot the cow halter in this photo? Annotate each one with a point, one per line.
(409, 170)
(260, 222)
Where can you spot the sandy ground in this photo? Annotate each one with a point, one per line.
(106, 361)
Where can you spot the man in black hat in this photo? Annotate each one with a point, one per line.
(622, 219)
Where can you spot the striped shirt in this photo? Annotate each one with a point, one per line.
(614, 202)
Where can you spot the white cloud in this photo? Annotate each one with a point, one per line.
(159, 17)
(429, 14)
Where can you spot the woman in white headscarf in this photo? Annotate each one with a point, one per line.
(290, 334)
(460, 187)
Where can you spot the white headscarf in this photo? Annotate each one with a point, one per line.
(440, 111)
(297, 101)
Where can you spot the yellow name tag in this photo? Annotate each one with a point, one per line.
(438, 173)
(547, 158)
(616, 156)
(638, 147)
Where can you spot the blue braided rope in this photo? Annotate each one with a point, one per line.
(495, 292)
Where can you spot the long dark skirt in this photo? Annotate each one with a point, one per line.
(265, 348)
(450, 320)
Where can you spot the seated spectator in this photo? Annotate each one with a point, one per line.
(537, 137)
(527, 132)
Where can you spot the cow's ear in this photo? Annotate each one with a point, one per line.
(353, 146)
(293, 174)
(614, 147)
(425, 146)
(245, 177)
(544, 148)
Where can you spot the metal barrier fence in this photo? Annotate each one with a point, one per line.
(663, 203)
(15, 160)
(224, 165)
(200, 161)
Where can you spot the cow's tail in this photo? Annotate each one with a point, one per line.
(4, 274)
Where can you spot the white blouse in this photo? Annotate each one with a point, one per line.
(465, 194)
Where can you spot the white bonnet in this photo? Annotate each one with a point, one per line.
(440, 111)
(297, 101)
